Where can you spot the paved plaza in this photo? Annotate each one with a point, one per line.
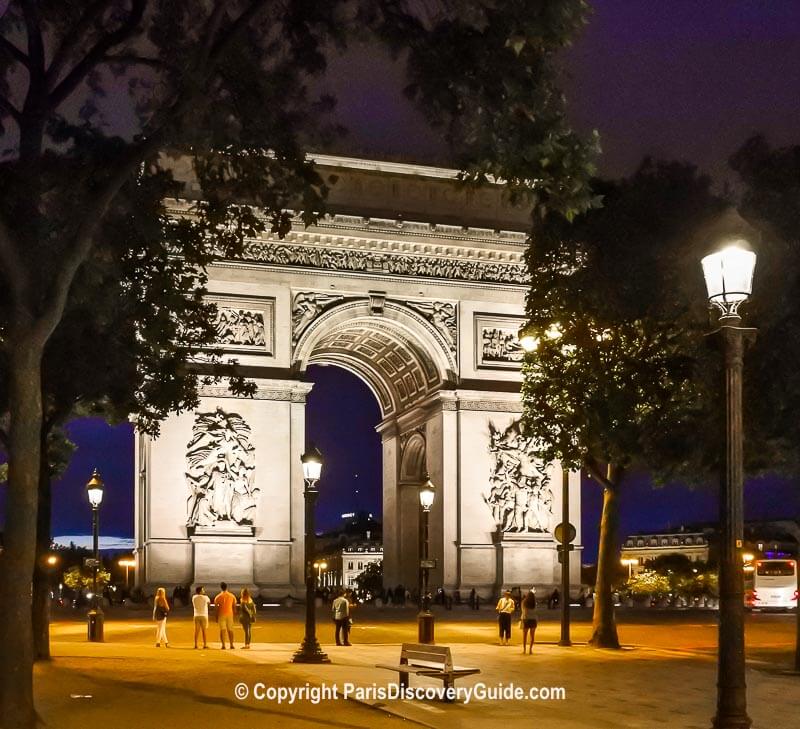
(665, 676)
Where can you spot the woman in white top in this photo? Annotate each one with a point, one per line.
(528, 619)
(160, 612)
(505, 607)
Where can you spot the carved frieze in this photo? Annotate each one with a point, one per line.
(342, 259)
(520, 496)
(220, 472)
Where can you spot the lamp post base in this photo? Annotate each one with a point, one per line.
(425, 627)
(310, 652)
(94, 624)
(731, 722)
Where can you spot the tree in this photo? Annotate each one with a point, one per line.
(621, 377)
(771, 199)
(76, 579)
(227, 83)
(370, 581)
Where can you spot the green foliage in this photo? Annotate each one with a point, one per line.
(617, 303)
(648, 583)
(371, 579)
(770, 200)
(78, 579)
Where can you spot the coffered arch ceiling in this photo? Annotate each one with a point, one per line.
(400, 361)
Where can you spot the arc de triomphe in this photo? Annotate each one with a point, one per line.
(417, 286)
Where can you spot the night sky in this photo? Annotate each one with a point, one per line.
(678, 79)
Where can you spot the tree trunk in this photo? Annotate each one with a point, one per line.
(604, 626)
(17, 561)
(42, 572)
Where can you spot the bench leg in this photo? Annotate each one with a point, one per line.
(404, 680)
(448, 685)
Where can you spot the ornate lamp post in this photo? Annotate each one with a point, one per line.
(729, 280)
(94, 492)
(309, 651)
(427, 493)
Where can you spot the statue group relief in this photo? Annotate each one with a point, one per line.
(240, 326)
(220, 471)
(500, 346)
(519, 495)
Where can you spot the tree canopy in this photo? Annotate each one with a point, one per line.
(92, 96)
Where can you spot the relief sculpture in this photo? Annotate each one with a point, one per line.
(442, 315)
(519, 495)
(240, 327)
(220, 471)
(306, 307)
(500, 346)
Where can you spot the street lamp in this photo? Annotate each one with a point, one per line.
(729, 280)
(309, 651)
(320, 567)
(427, 494)
(127, 563)
(630, 562)
(94, 492)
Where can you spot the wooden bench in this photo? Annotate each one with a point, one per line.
(432, 661)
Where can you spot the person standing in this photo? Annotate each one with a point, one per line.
(341, 617)
(160, 612)
(505, 608)
(528, 619)
(200, 603)
(225, 602)
(247, 615)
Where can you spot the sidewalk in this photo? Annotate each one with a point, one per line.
(636, 688)
(670, 682)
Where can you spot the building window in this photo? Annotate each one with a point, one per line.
(349, 565)
(361, 565)
(640, 542)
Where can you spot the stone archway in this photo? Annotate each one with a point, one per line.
(415, 285)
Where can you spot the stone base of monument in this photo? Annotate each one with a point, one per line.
(223, 556)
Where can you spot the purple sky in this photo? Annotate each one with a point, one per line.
(679, 79)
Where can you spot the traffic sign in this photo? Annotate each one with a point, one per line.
(559, 533)
(91, 562)
(427, 564)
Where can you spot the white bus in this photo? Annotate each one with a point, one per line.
(772, 584)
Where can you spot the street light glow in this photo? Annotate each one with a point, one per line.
(94, 489)
(729, 275)
(312, 464)
(427, 494)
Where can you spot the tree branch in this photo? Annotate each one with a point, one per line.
(131, 59)
(229, 36)
(15, 53)
(91, 217)
(96, 54)
(598, 472)
(10, 109)
(73, 37)
(34, 31)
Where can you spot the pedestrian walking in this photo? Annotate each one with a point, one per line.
(225, 603)
(505, 608)
(200, 603)
(160, 612)
(247, 615)
(528, 620)
(341, 617)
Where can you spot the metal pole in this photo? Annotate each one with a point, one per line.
(310, 651)
(565, 639)
(425, 617)
(95, 552)
(731, 686)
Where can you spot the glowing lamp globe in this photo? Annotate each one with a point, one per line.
(312, 464)
(427, 494)
(729, 275)
(94, 489)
